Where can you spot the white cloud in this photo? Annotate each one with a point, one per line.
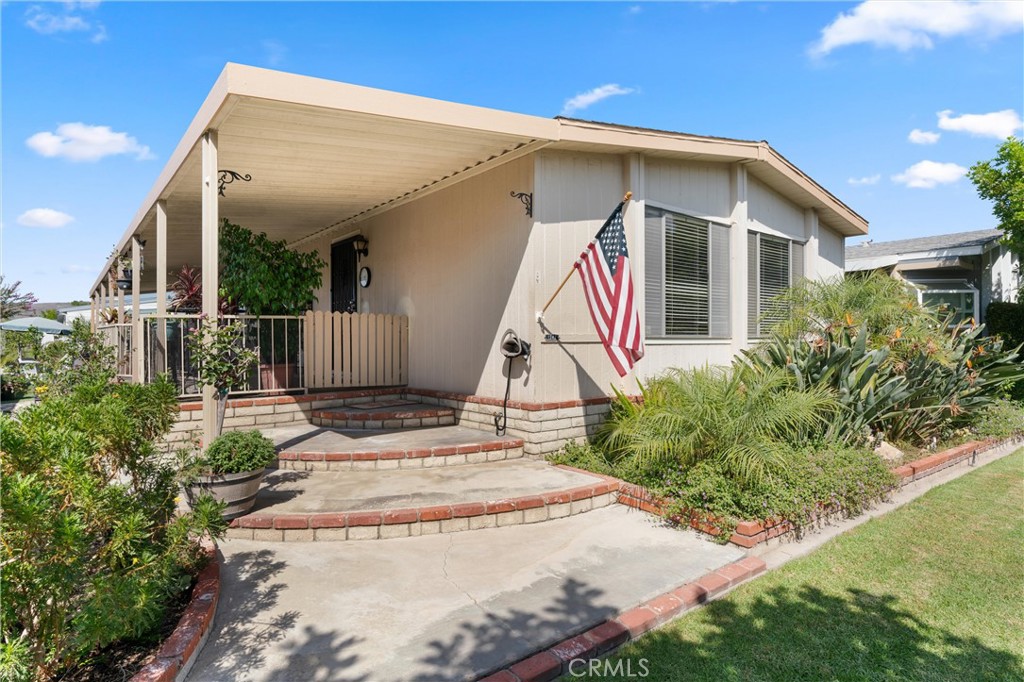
(585, 99)
(81, 142)
(44, 217)
(69, 20)
(866, 180)
(634, 9)
(997, 124)
(928, 174)
(909, 24)
(274, 51)
(918, 136)
(75, 269)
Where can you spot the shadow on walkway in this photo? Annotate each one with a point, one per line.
(508, 634)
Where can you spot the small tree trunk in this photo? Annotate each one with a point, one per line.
(222, 404)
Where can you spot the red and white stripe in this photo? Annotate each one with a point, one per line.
(612, 307)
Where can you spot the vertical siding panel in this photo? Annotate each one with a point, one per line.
(378, 351)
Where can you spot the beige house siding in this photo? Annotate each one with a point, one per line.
(465, 263)
(699, 189)
(773, 213)
(831, 258)
(453, 262)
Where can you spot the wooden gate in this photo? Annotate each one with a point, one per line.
(345, 350)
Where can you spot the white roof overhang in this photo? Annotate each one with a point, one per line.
(322, 154)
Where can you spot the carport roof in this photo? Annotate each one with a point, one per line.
(322, 154)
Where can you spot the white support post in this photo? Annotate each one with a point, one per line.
(811, 246)
(120, 297)
(93, 310)
(137, 352)
(738, 284)
(159, 348)
(210, 260)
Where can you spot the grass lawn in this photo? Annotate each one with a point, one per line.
(931, 591)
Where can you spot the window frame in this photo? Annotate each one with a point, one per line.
(754, 317)
(710, 223)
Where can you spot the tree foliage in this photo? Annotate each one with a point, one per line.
(265, 277)
(1001, 181)
(14, 303)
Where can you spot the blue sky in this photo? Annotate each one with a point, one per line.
(96, 95)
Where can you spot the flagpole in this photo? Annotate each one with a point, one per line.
(540, 315)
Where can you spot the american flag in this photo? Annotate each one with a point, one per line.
(608, 286)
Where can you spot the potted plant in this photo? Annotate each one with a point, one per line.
(231, 470)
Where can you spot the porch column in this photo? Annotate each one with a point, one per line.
(137, 350)
(159, 346)
(738, 283)
(104, 296)
(811, 246)
(93, 309)
(211, 281)
(120, 296)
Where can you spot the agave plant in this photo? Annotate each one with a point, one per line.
(747, 418)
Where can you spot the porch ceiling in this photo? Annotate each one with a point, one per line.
(320, 153)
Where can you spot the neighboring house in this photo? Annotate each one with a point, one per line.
(471, 218)
(964, 271)
(147, 305)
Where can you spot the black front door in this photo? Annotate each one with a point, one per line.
(343, 277)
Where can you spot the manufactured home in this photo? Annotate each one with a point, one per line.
(443, 225)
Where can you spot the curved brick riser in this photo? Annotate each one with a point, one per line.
(402, 523)
(400, 459)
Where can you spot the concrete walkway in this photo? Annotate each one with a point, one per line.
(309, 438)
(440, 607)
(317, 491)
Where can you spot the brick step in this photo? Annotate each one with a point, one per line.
(390, 414)
(369, 456)
(302, 447)
(365, 505)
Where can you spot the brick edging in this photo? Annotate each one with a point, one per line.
(176, 655)
(415, 521)
(601, 639)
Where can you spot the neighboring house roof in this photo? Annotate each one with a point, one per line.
(144, 299)
(884, 251)
(325, 155)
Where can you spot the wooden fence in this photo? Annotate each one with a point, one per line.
(355, 349)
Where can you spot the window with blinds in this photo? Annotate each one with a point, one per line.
(686, 276)
(773, 265)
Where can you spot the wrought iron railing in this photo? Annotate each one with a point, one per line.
(278, 340)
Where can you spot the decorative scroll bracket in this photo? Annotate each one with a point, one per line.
(526, 198)
(226, 177)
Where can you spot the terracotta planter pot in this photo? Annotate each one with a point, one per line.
(237, 490)
(280, 375)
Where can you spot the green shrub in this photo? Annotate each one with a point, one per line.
(1001, 419)
(744, 418)
(13, 382)
(814, 481)
(82, 358)
(1006, 320)
(93, 550)
(236, 452)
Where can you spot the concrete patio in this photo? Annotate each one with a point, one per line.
(440, 607)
